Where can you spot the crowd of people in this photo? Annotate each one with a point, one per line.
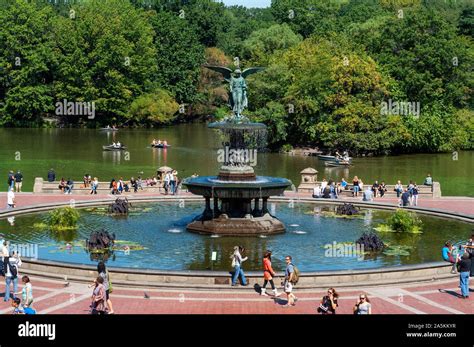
(328, 303)
(461, 257)
(408, 196)
(10, 269)
(169, 182)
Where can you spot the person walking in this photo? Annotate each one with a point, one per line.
(363, 305)
(102, 270)
(329, 302)
(268, 275)
(237, 261)
(290, 279)
(27, 292)
(405, 198)
(18, 181)
(464, 272)
(10, 199)
(11, 265)
(98, 297)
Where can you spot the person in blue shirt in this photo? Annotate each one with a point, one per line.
(447, 255)
(405, 199)
(343, 184)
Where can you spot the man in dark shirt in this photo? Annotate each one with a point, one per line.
(406, 198)
(18, 181)
(51, 176)
(11, 179)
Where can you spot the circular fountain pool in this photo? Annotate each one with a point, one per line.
(156, 234)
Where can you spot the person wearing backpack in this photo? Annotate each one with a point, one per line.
(11, 265)
(291, 278)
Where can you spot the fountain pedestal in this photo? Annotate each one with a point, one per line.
(236, 191)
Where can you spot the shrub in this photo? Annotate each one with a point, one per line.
(63, 218)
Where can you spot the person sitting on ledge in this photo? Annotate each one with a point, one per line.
(69, 186)
(62, 185)
(317, 192)
(382, 189)
(428, 180)
(447, 255)
(326, 192)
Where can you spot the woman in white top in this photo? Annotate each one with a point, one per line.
(317, 192)
(167, 182)
(10, 198)
(363, 305)
(237, 261)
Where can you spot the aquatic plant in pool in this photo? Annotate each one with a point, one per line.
(60, 219)
(154, 236)
(402, 221)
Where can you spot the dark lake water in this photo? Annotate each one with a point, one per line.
(74, 152)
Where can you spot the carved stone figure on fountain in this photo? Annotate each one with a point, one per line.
(237, 89)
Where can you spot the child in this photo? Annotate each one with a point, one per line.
(17, 309)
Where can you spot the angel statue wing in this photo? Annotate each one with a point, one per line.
(251, 70)
(225, 72)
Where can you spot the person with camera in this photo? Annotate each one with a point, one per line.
(329, 302)
(363, 305)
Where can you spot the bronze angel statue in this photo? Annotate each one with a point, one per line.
(238, 87)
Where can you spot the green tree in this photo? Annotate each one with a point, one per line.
(26, 59)
(307, 17)
(264, 43)
(424, 54)
(158, 107)
(179, 55)
(105, 54)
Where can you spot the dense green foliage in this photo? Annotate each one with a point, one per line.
(63, 218)
(402, 221)
(332, 67)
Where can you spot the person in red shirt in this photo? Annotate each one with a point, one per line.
(268, 274)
